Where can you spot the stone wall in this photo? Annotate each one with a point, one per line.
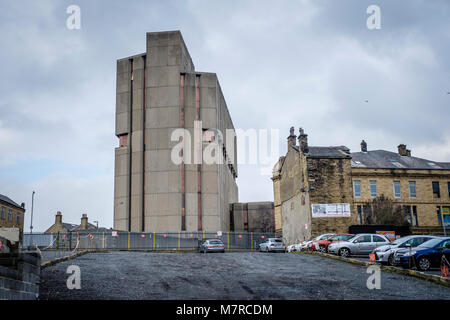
(19, 276)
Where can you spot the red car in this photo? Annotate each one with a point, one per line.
(322, 245)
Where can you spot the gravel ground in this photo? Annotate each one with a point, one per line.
(235, 275)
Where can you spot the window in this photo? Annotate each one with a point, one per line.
(3, 216)
(360, 218)
(363, 239)
(378, 239)
(407, 211)
(18, 218)
(436, 191)
(373, 188)
(414, 217)
(9, 215)
(397, 191)
(357, 188)
(412, 189)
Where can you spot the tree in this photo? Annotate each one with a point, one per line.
(383, 210)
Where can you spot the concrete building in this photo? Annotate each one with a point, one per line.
(63, 227)
(158, 92)
(12, 215)
(252, 217)
(326, 189)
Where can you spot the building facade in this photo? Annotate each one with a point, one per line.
(420, 186)
(64, 227)
(12, 215)
(159, 92)
(312, 190)
(326, 189)
(252, 217)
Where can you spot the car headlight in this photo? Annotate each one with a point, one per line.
(409, 253)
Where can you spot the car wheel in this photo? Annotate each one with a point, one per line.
(267, 249)
(322, 249)
(344, 252)
(423, 264)
(391, 260)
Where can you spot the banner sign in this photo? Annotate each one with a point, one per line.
(330, 210)
(389, 234)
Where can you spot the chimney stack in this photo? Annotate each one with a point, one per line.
(84, 222)
(403, 151)
(58, 218)
(363, 146)
(303, 141)
(292, 138)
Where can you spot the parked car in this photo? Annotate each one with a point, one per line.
(385, 254)
(272, 244)
(212, 245)
(322, 245)
(312, 244)
(360, 245)
(425, 256)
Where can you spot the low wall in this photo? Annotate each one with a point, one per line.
(19, 276)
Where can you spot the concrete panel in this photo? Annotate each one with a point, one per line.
(163, 76)
(190, 117)
(210, 182)
(123, 82)
(136, 184)
(136, 141)
(122, 102)
(121, 164)
(123, 66)
(174, 184)
(138, 63)
(191, 223)
(157, 182)
(211, 223)
(167, 117)
(163, 223)
(208, 98)
(163, 96)
(136, 163)
(174, 207)
(159, 160)
(122, 123)
(120, 224)
(192, 205)
(138, 79)
(120, 208)
(210, 204)
(191, 181)
(157, 139)
(138, 99)
(208, 79)
(120, 186)
(209, 118)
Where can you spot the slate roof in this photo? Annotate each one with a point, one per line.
(7, 200)
(336, 152)
(382, 159)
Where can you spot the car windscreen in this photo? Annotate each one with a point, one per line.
(430, 243)
(400, 240)
(215, 242)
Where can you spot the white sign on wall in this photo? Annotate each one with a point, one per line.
(330, 210)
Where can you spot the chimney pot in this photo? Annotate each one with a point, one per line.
(292, 138)
(58, 218)
(363, 146)
(402, 150)
(303, 141)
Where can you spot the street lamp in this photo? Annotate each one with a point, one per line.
(97, 224)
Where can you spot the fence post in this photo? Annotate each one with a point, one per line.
(228, 241)
(128, 240)
(154, 240)
(51, 240)
(251, 240)
(103, 240)
(179, 234)
(203, 236)
(78, 240)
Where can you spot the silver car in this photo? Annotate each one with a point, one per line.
(212, 245)
(386, 253)
(272, 244)
(359, 245)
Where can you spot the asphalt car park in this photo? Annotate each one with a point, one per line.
(231, 275)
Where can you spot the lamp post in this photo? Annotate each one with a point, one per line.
(31, 224)
(97, 224)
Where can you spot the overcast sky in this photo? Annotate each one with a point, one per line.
(280, 64)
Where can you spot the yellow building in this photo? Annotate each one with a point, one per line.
(420, 186)
(11, 214)
(310, 182)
